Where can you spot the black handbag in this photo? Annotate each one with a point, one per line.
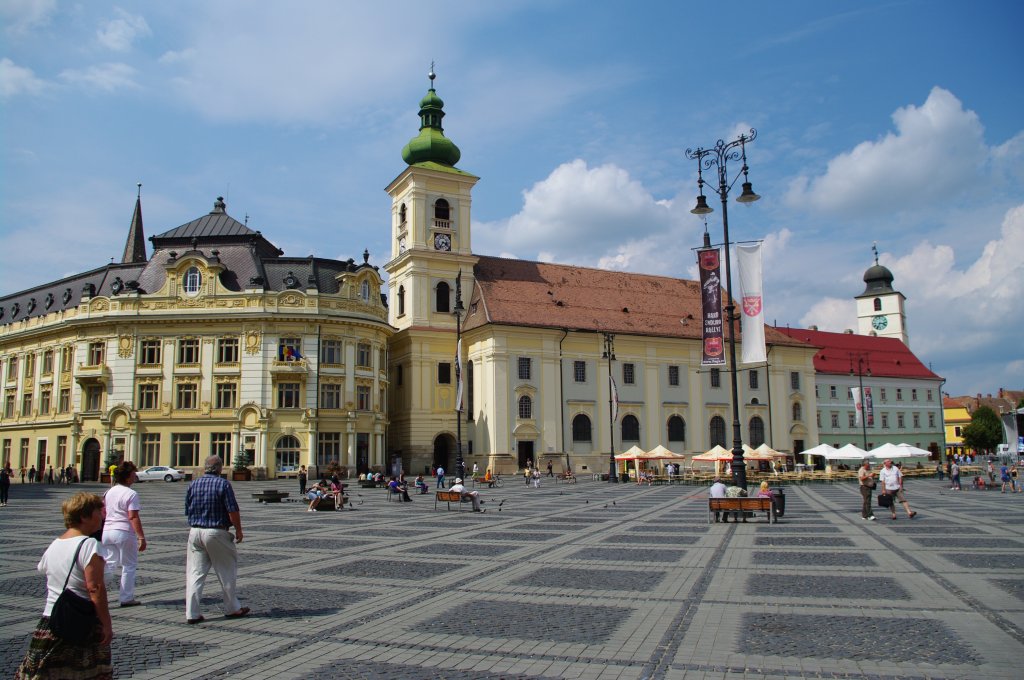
(884, 500)
(73, 617)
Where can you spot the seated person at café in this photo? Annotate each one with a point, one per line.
(471, 495)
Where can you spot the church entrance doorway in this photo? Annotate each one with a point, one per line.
(444, 446)
(524, 452)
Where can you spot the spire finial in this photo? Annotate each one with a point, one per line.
(874, 249)
(139, 194)
(431, 75)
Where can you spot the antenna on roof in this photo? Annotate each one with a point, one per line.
(247, 219)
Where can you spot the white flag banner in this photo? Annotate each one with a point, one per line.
(615, 399)
(748, 257)
(458, 375)
(858, 405)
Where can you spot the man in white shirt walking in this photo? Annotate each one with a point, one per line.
(892, 485)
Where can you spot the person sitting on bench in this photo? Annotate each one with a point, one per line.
(471, 495)
(717, 490)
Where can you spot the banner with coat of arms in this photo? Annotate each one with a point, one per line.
(748, 257)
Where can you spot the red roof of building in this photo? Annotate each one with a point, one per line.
(540, 294)
(884, 357)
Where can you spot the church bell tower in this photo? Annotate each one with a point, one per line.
(880, 308)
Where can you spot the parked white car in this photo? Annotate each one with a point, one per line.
(168, 474)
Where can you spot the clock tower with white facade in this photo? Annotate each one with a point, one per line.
(880, 308)
(431, 257)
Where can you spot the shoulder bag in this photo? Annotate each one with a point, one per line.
(73, 617)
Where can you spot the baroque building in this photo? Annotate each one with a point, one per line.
(535, 362)
(216, 343)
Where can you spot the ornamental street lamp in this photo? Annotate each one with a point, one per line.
(718, 157)
(862, 364)
(609, 354)
(460, 464)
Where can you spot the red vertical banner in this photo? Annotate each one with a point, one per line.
(709, 263)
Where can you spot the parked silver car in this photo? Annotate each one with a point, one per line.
(168, 474)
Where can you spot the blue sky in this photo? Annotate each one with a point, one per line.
(896, 122)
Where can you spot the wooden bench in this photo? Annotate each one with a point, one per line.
(270, 496)
(756, 504)
(450, 497)
(327, 503)
(570, 479)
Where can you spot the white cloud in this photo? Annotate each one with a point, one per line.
(16, 80)
(593, 216)
(934, 154)
(23, 16)
(831, 314)
(106, 77)
(119, 33)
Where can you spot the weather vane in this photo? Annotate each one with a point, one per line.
(874, 249)
(431, 75)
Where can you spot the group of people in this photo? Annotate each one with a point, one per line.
(325, 488)
(720, 490)
(104, 532)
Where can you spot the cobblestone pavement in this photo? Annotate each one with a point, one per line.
(566, 581)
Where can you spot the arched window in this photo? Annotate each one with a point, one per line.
(630, 429)
(525, 407)
(364, 291)
(443, 303)
(581, 428)
(878, 304)
(717, 431)
(441, 210)
(287, 450)
(401, 300)
(193, 280)
(756, 431)
(469, 390)
(798, 412)
(402, 215)
(676, 429)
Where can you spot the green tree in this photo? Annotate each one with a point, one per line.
(985, 431)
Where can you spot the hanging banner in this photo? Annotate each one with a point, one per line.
(869, 409)
(709, 263)
(858, 406)
(748, 258)
(458, 375)
(615, 398)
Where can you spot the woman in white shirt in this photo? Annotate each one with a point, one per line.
(123, 538)
(48, 655)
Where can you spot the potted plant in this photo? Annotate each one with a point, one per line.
(241, 471)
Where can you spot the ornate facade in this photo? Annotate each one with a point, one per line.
(215, 344)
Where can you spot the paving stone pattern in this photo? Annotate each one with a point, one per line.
(817, 586)
(632, 584)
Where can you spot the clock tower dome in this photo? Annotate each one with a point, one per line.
(881, 308)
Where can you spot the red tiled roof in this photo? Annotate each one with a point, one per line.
(885, 357)
(543, 295)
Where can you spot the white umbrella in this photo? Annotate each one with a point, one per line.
(908, 451)
(851, 452)
(829, 452)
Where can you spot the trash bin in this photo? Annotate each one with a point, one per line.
(779, 496)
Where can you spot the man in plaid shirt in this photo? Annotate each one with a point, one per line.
(211, 508)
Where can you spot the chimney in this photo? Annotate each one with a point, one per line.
(812, 328)
(848, 331)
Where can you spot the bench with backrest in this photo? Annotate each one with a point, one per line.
(270, 496)
(755, 504)
(449, 497)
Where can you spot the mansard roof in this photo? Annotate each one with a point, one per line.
(538, 294)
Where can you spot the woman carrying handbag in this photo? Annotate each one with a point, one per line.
(73, 565)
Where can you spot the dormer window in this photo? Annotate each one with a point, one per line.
(364, 291)
(193, 280)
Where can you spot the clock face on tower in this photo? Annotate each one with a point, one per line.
(442, 242)
(879, 322)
